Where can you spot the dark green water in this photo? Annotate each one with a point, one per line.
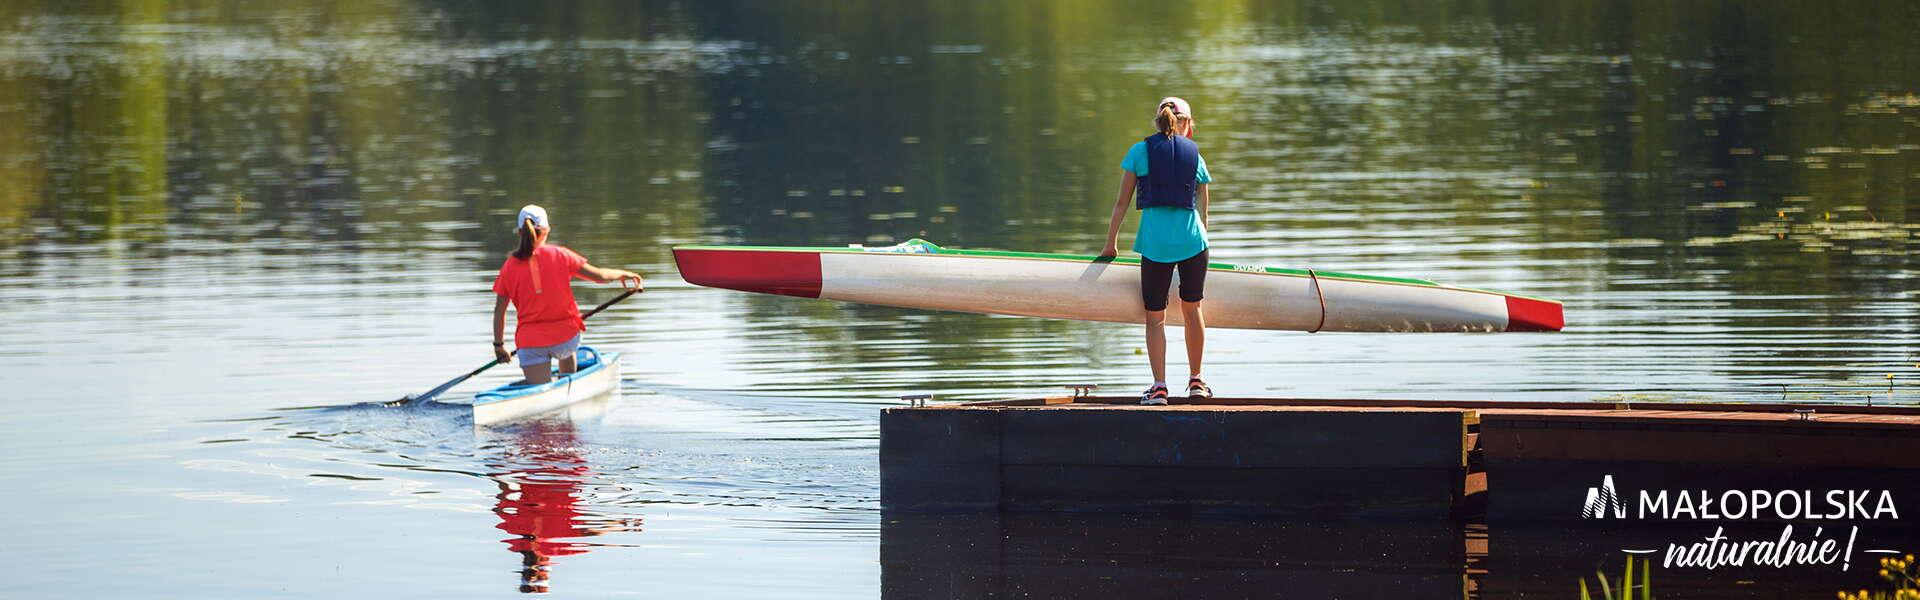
(211, 211)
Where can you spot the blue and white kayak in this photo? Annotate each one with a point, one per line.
(596, 373)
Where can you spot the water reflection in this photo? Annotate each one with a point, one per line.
(1123, 556)
(540, 478)
(1538, 561)
(986, 555)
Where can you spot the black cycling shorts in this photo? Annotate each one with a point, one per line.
(1156, 277)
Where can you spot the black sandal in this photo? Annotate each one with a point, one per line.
(1198, 390)
(1154, 396)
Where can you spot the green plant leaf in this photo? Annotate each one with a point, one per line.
(1646, 580)
(1626, 580)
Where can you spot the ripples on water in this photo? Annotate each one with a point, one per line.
(210, 215)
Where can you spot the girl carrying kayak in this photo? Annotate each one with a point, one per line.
(1165, 175)
(536, 278)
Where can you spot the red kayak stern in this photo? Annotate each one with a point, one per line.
(788, 273)
(1527, 314)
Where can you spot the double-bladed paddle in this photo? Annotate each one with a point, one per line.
(431, 394)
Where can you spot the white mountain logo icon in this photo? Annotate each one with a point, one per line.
(1602, 499)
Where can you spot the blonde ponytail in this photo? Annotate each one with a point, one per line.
(1168, 121)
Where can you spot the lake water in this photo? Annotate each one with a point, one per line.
(227, 232)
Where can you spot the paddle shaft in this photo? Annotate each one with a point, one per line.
(603, 305)
(457, 380)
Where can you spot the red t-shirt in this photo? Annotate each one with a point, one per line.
(544, 309)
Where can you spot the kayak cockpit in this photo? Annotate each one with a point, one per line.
(587, 363)
(912, 246)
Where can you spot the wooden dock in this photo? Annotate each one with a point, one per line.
(1504, 461)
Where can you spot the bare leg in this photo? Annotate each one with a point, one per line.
(567, 365)
(537, 373)
(1196, 324)
(1157, 343)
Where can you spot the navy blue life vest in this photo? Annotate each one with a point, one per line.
(1173, 168)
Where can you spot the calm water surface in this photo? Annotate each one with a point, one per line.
(226, 231)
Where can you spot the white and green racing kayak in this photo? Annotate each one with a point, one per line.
(919, 274)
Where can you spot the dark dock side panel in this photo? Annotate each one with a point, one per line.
(1098, 497)
(1516, 461)
(1274, 460)
(944, 458)
(1541, 463)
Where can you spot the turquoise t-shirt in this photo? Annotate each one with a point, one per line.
(1167, 234)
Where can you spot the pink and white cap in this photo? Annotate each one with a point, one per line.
(1179, 106)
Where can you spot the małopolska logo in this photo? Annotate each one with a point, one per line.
(1602, 499)
(1606, 502)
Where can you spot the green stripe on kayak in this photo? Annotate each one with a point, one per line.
(937, 250)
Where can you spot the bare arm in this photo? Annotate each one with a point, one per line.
(603, 275)
(499, 328)
(1127, 182)
(1203, 206)
(499, 319)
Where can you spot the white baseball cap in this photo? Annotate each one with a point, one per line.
(532, 212)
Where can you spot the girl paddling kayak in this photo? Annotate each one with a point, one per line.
(535, 279)
(1167, 178)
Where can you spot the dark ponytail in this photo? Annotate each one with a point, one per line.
(525, 251)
